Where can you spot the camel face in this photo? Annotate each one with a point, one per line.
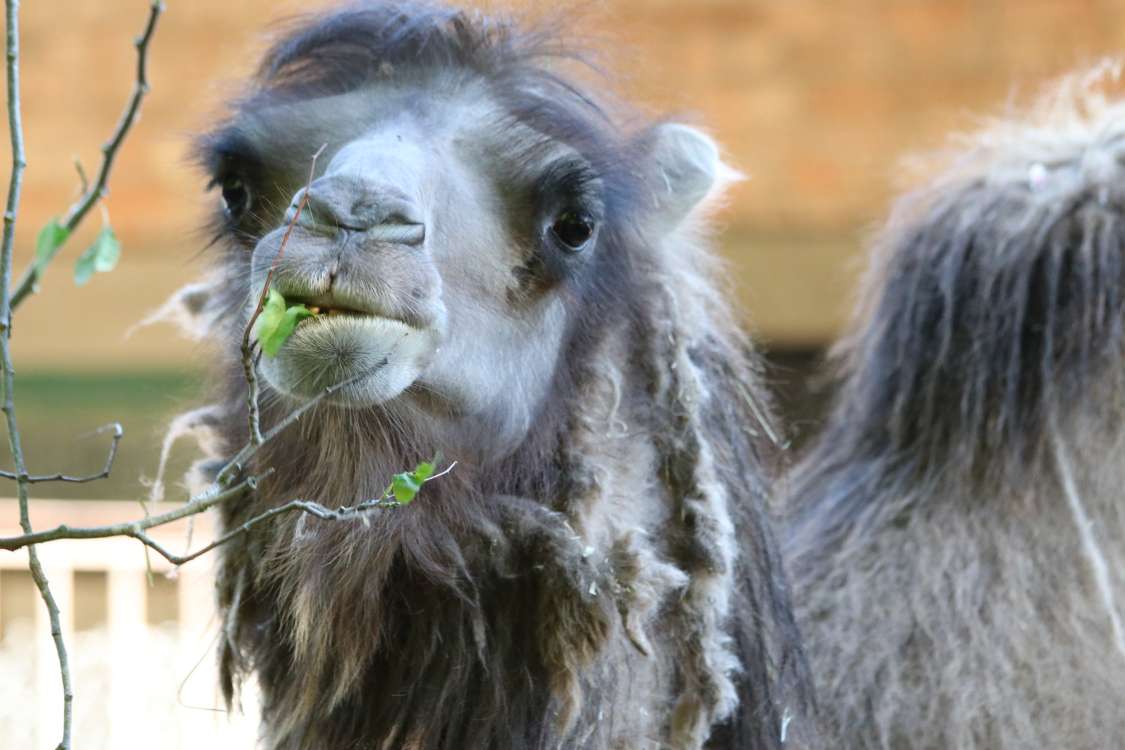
(443, 242)
(427, 243)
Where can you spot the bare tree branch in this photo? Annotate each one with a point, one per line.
(253, 389)
(96, 191)
(199, 504)
(322, 512)
(9, 300)
(134, 529)
(204, 502)
(118, 433)
(7, 383)
(249, 362)
(306, 506)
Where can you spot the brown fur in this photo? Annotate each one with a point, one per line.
(949, 592)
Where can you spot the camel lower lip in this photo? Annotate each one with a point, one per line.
(379, 356)
(345, 320)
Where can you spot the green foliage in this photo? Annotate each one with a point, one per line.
(99, 257)
(406, 485)
(47, 244)
(277, 322)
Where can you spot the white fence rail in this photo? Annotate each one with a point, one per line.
(142, 655)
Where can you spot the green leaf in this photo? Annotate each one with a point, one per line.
(423, 471)
(84, 267)
(47, 244)
(277, 322)
(405, 486)
(100, 257)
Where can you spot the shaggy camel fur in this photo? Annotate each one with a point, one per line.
(957, 540)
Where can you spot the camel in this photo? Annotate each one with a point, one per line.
(510, 268)
(955, 534)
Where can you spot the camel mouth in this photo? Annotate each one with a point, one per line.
(331, 305)
(325, 310)
(323, 315)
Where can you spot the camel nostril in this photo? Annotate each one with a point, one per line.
(380, 212)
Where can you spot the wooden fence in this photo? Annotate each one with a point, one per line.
(141, 647)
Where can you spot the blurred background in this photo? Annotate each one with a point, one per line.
(816, 102)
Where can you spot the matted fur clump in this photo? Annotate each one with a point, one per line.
(597, 571)
(956, 533)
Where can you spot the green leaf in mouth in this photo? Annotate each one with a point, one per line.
(277, 322)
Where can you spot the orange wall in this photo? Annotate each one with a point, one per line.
(815, 101)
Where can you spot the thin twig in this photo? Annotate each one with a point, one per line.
(136, 529)
(19, 162)
(199, 503)
(249, 363)
(306, 506)
(195, 506)
(253, 389)
(118, 433)
(95, 192)
(83, 180)
(238, 463)
(15, 186)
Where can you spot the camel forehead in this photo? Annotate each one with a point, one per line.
(282, 134)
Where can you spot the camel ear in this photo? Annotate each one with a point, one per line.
(687, 170)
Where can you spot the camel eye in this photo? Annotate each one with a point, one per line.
(236, 197)
(573, 229)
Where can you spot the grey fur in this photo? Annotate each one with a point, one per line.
(957, 540)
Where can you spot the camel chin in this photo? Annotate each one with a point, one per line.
(364, 359)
